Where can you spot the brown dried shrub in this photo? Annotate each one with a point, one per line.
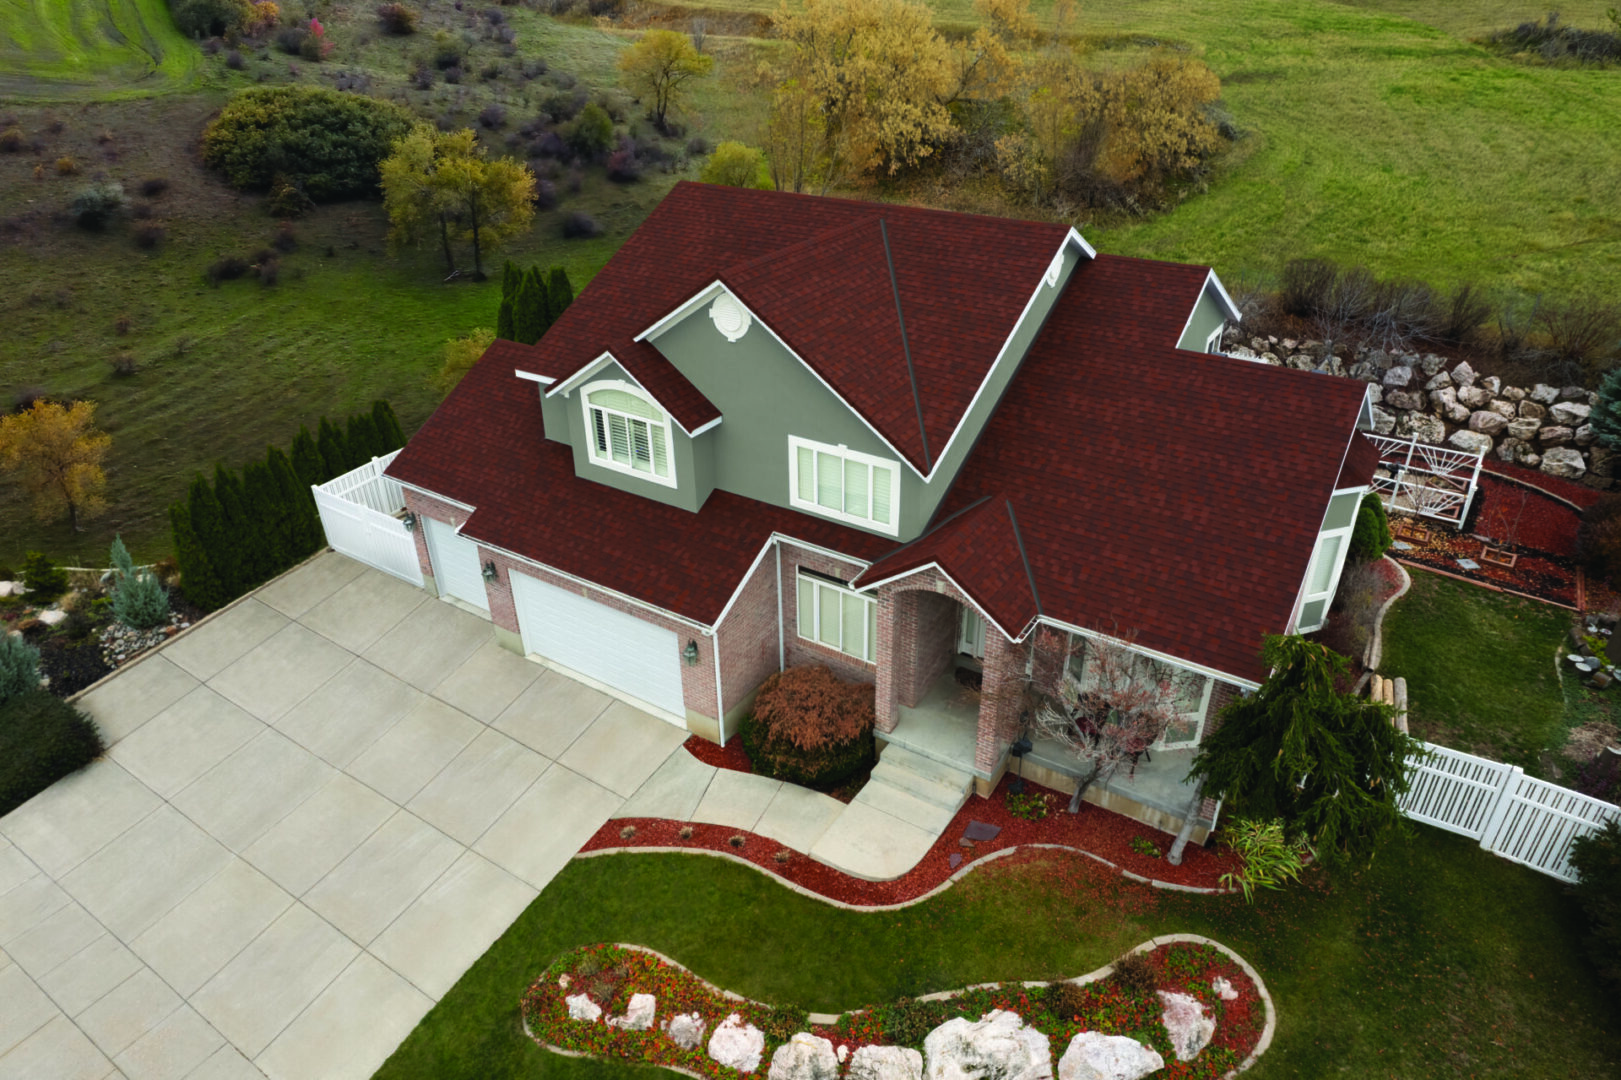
(811, 708)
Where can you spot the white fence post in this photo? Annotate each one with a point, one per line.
(1500, 804)
(357, 514)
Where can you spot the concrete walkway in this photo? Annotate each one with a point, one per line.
(318, 809)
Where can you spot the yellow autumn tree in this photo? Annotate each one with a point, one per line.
(987, 64)
(460, 356)
(56, 452)
(658, 68)
(1157, 120)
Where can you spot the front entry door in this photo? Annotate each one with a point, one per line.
(971, 633)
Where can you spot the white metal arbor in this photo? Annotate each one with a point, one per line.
(1427, 480)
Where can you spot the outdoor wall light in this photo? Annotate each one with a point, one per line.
(489, 571)
(410, 520)
(690, 653)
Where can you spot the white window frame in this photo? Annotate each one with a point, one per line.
(1212, 343)
(1319, 552)
(607, 462)
(1198, 717)
(890, 528)
(869, 620)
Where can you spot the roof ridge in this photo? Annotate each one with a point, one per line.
(1018, 538)
(906, 345)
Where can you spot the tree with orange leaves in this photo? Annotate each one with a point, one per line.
(56, 451)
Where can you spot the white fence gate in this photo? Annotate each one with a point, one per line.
(1427, 480)
(357, 513)
(1529, 821)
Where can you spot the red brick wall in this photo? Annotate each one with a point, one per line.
(800, 651)
(1000, 697)
(426, 506)
(748, 634)
(917, 639)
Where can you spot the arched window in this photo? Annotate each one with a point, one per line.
(627, 432)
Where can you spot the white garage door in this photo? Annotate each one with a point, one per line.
(618, 650)
(455, 565)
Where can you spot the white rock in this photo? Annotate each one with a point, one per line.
(1505, 409)
(581, 1007)
(843, 1053)
(1586, 436)
(804, 1057)
(1189, 1026)
(737, 1045)
(1095, 1056)
(1530, 410)
(1543, 394)
(1569, 413)
(997, 1046)
(1424, 428)
(54, 617)
(1514, 393)
(1398, 377)
(1492, 383)
(686, 1030)
(1440, 380)
(1463, 374)
(1384, 422)
(638, 1014)
(1555, 435)
(1563, 461)
(1431, 363)
(11, 588)
(1471, 442)
(1223, 989)
(1487, 423)
(563, 980)
(1524, 430)
(885, 1063)
(1476, 397)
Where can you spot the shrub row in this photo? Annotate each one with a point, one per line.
(1556, 42)
(531, 301)
(243, 529)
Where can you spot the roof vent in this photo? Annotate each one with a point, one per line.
(1050, 278)
(729, 316)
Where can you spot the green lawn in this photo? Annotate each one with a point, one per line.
(1440, 961)
(80, 49)
(1480, 669)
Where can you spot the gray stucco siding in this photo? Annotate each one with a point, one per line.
(690, 467)
(1208, 314)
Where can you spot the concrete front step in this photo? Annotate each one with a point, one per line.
(926, 778)
(880, 795)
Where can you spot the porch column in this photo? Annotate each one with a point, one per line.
(1000, 694)
(887, 705)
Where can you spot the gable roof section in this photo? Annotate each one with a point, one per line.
(1135, 469)
(814, 270)
(486, 448)
(1361, 459)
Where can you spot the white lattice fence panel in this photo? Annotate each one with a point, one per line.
(1539, 822)
(357, 513)
(1455, 791)
(369, 487)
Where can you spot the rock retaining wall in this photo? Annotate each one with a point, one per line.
(1426, 396)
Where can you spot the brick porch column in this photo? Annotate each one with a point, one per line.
(890, 654)
(999, 697)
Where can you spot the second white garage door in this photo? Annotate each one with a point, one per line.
(638, 659)
(455, 564)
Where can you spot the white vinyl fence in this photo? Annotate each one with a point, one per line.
(1529, 821)
(358, 514)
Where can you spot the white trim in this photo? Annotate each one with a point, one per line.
(937, 568)
(1058, 624)
(1300, 590)
(779, 538)
(844, 453)
(720, 698)
(1212, 344)
(603, 589)
(586, 372)
(700, 429)
(1364, 415)
(869, 616)
(1343, 533)
(1221, 294)
(591, 452)
(782, 646)
(532, 377)
(1221, 291)
(434, 495)
(744, 581)
(702, 296)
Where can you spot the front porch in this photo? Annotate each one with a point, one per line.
(944, 726)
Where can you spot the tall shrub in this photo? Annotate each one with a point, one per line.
(809, 727)
(139, 599)
(529, 309)
(1370, 536)
(334, 454)
(559, 293)
(19, 667)
(42, 739)
(1606, 416)
(304, 521)
(307, 462)
(213, 532)
(388, 426)
(242, 530)
(269, 515)
(1596, 857)
(197, 574)
(361, 437)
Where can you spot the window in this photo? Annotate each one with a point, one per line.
(1213, 342)
(838, 482)
(626, 432)
(1189, 690)
(1323, 578)
(834, 615)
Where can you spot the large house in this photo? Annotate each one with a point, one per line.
(780, 430)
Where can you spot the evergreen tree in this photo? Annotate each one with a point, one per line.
(511, 276)
(306, 462)
(361, 435)
(268, 513)
(197, 574)
(243, 530)
(304, 521)
(559, 292)
(334, 454)
(123, 565)
(529, 309)
(388, 426)
(543, 302)
(221, 555)
(139, 599)
(19, 668)
(504, 328)
(1606, 416)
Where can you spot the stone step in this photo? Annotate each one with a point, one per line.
(897, 803)
(924, 777)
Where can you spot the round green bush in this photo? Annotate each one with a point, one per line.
(42, 739)
(209, 18)
(326, 142)
(1370, 535)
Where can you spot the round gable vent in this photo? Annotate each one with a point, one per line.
(729, 316)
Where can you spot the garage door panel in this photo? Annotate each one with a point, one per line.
(455, 564)
(617, 649)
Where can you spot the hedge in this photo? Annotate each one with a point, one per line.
(42, 739)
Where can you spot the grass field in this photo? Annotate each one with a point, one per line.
(1438, 962)
(83, 49)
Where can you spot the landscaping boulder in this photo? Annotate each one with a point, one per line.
(1470, 442)
(1487, 423)
(1505, 409)
(1555, 436)
(1492, 383)
(1572, 393)
(804, 1057)
(1530, 410)
(638, 1014)
(1476, 397)
(11, 588)
(1440, 381)
(1563, 461)
(1569, 413)
(1383, 422)
(1513, 393)
(737, 1045)
(687, 1030)
(997, 1046)
(1093, 1055)
(1223, 989)
(1601, 461)
(1430, 363)
(1398, 377)
(1586, 436)
(1405, 399)
(885, 1063)
(1543, 394)
(1424, 428)
(1463, 374)
(1301, 362)
(1189, 1026)
(1524, 430)
(53, 617)
(581, 1007)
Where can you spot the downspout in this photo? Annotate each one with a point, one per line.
(720, 699)
(782, 657)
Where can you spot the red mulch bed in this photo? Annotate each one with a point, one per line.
(731, 756)
(1094, 830)
(1580, 494)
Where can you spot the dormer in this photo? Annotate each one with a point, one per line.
(1212, 314)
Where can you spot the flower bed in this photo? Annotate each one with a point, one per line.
(731, 756)
(610, 974)
(1094, 830)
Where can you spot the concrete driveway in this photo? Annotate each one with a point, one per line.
(317, 810)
